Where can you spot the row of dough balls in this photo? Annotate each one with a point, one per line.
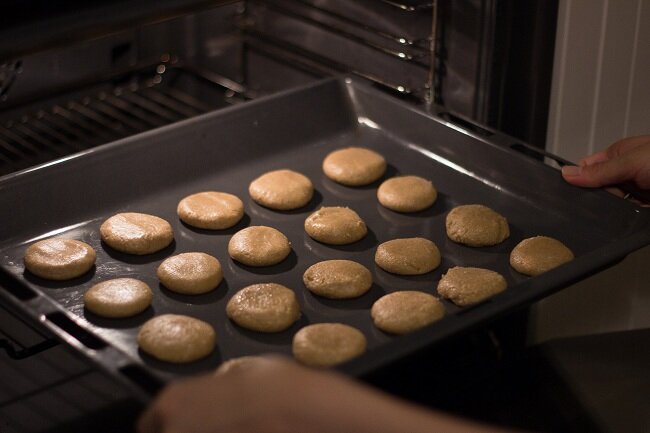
(271, 307)
(136, 233)
(195, 273)
(180, 339)
(353, 166)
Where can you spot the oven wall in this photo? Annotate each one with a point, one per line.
(599, 94)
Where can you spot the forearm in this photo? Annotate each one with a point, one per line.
(363, 409)
(278, 396)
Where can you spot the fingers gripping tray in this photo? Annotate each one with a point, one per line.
(224, 151)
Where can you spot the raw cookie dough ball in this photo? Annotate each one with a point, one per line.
(467, 286)
(406, 193)
(59, 259)
(136, 233)
(190, 273)
(476, 225)
(408, 256)
(327, 344)
(281, 190)
(211, 210)
(354, 166)
(536, 255)
(267, 307)
(335, 226)
(241, 364)
(338, 279)
(177, 338)
(406, 311)
(259, 246)
(118, 298)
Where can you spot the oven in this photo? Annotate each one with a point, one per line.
(75, 77)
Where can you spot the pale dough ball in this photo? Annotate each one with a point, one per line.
(467, 286)
(408, 256)
(327, 344)
(338, 279)
(266, 307)
(407, 194)
(240, 365)
(281, 190)
(59, 259)
(118, 298)
(136, 233)
(190, 273)
(177, 338)
(476, 225)
(259, 246)
(354, 166)
(405, 311)
(335, 226)
(211, 210)
(536, 255)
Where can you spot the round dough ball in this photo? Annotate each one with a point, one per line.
(211, 210)
(536, 255)
(240, 365)
(338, 279)
(405, 311)
(190, 273)
(476, 225)
(266, 307)
(136, 233)
(59, 259)
(327, 344)
(177, 338)
(408, 256)
(259, 246)
(118, 298)
(354, 166)
(335, 226)
(467, 286)
(407, 194)
(281, 190)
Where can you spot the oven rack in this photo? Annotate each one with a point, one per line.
(54, 382)
(411, 6)
(386, 34)
(142, 99)
(398, 47)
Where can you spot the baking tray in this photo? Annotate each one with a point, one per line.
(224, 150)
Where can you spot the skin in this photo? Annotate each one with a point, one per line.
(276, 395)
(627, 161)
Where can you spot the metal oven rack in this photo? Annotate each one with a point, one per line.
(398, 59)
(100, 115)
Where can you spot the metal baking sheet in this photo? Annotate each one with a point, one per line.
(226, 149)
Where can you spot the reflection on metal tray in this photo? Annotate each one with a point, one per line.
(225, 150)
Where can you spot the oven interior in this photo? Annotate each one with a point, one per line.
(62, 92)
(74, 76)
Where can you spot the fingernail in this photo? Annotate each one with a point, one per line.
(571, 170)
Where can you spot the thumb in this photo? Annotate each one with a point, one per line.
(597, 174)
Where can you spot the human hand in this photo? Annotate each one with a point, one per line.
(273, 395)
(625, 162)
